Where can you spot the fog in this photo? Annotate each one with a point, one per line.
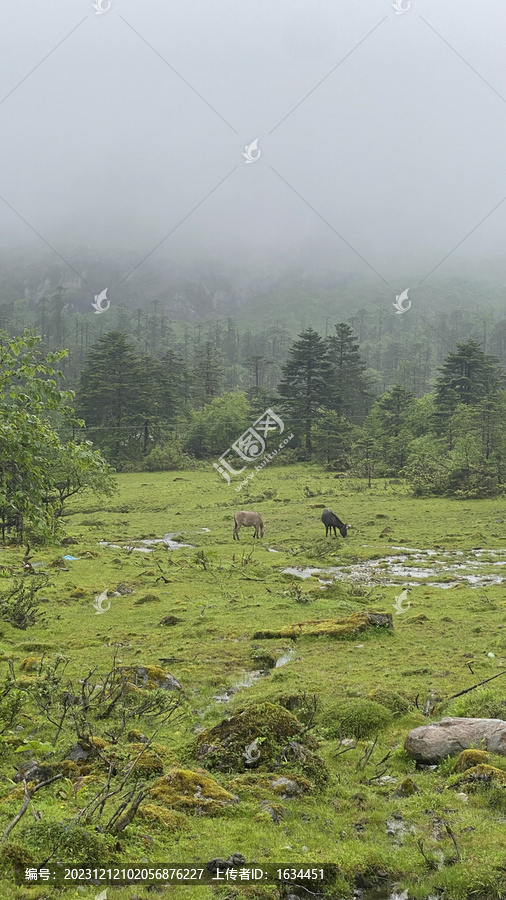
(382, 134)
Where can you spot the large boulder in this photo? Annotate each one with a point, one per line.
(431, 743)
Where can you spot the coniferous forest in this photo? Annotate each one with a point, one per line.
(421, 396)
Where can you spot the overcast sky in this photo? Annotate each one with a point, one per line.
(387, 127)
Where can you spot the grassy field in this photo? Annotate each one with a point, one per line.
(445, 838)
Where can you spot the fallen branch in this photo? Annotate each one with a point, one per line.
(452, 836)
(28, 796)
(466, 691)
(430, 862)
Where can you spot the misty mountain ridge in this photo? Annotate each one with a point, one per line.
(192, 291)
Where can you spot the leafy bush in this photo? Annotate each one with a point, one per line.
(11, 703)
(19, 605)
(396, 703)
(165, 458)
(65, 841)
(355, 718)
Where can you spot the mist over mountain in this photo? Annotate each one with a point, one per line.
(380, 147)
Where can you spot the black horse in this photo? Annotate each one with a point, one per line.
(331, 521)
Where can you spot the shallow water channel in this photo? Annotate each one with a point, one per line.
(446, 568)
(147, 545)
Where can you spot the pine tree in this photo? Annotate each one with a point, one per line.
(393, 412)
(468, 376)
(304, 387)
(349, 389)
(111, 393)
(208, 373)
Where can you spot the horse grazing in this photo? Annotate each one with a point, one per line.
(252, 519)
(331, 521)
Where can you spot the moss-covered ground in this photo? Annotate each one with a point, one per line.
(445, 839)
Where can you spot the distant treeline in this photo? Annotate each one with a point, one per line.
(418, 395)
(251, 346)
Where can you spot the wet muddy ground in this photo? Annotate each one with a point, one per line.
(412, 566)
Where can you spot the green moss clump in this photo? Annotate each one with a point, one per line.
(172, 821)
(340, 629)
(26, 682)
(14, 856)
(485, 773)
(194, 791)
(148, 678)
(257, 784)
(69, 768)
(278, 732)
(264, 659)
(136, 737)
(396, 703)
(151, 762)
(30, 663)
(170, 620)
(406, 788)
(83, 846)
(470, 758)
(148, 764)
(355, 718)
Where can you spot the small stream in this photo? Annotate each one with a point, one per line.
(247, 679)
(455, 566)
(147, 545)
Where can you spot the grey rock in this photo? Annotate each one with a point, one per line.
(432, 743)
(286, 787)
(78, 753)
(170, 620)
(167, 683)
(123, 589)
(32, 771)
(276, 812)
(232, 862)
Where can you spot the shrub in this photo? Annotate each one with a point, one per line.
(166, 457)
(19, 605)
(65, 841)
(396, 703)
(355, 718)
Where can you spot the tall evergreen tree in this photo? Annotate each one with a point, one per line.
(349, 390)
(208, 373)
(110, 396)
(304, 387)
(468, 376)
(393, 411)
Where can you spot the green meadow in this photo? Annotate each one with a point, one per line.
(354, 798)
